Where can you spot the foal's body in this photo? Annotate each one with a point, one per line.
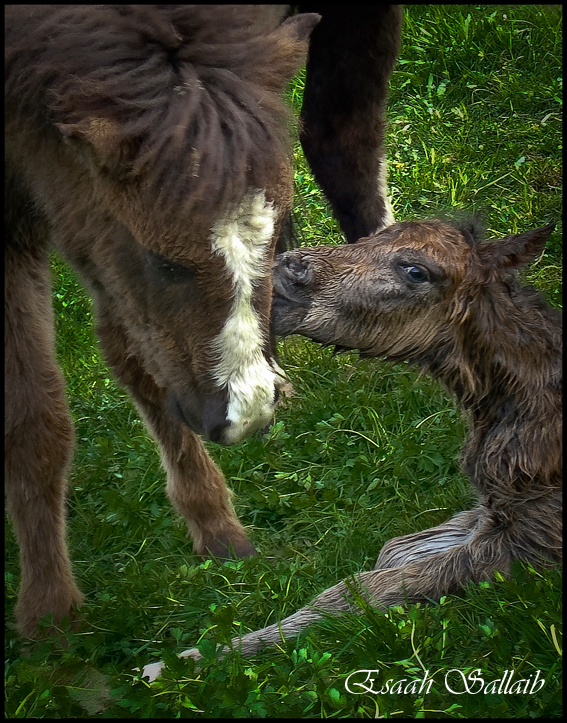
(428, 293)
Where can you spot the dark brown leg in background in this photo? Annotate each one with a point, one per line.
(351, 56)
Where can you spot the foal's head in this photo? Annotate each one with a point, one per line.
(175, 114)
(402, 293)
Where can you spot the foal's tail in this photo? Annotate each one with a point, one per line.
(422, 566)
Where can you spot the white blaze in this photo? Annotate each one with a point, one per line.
(243, 240)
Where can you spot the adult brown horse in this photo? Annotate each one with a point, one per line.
(352, 53)
(147, 145)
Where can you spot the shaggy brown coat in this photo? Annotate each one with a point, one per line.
(132, 131)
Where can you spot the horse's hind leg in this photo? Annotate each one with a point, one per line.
(38, 442)
(352, 52)
(195, 485)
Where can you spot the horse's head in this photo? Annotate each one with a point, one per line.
(196, 315)
(193, 166)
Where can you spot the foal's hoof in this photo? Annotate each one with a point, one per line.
(229, 548)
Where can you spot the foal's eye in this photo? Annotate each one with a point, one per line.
(415, 273)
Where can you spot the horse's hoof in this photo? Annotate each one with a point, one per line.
(228, 549)
(30, 610)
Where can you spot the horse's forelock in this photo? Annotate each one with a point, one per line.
(194, 109)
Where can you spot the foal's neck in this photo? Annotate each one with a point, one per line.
(506, 352)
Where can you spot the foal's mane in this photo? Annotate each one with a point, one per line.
(190, 94)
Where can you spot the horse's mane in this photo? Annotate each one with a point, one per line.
(191, 92)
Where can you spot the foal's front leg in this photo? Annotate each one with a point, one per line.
(195, 485)
(427, 565)
(461, 528)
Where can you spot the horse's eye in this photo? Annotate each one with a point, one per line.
(170, 270)
(415, 273)
(167, 267)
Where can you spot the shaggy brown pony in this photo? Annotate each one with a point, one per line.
(148, 146)
(428, 293)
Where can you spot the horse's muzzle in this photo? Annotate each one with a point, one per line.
(205, 415)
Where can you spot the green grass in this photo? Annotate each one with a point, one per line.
(363, 452)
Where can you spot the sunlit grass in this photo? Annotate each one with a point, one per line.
(362, 452)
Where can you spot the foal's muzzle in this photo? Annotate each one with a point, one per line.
(291, 279)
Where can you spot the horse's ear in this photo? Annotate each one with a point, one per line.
(300, 26)
(514, 251)
(98, 131)
(101, 135)
(291, 42)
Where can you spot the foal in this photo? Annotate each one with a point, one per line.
(429, 293)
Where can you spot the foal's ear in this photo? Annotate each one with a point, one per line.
(300, 26)
(514, 251)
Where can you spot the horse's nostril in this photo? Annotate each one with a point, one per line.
(215, 434)
(215, 419)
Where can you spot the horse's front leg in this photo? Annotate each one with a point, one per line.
(38, 443)
(195, 485)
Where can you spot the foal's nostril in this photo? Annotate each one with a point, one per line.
(298, 270)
